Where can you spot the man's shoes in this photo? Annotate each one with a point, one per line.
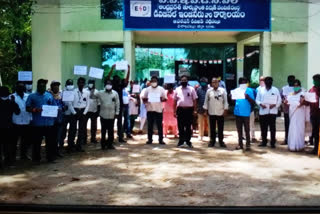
(189, 144)
(211, 144)
(79, 149)
(223, 145)
(110, 146)
(313, 152)
(285, 142)
(59, 155)
(94, 141)
(248, 148)
(180, 144)
(148, 142)
(273, 146)
(162, 143)
(25, 157)
(129, 136)
(239, 147)
(121, 140)
(262, 145)
(52, 161)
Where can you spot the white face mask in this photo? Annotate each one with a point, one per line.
(108, 87)
(4, 98)
(28, 87)
(154, 84)
(70, 87)
(244, 86)
(90, 85)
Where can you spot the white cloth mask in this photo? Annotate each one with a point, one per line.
(90, 85)
(154, 84)
(108, 87)
(70, 87)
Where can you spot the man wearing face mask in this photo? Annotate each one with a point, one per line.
(118, 85)
(42, 126)
(185, 107)
(153, 97)
(8, 107)
(93, 112)
(203, 121)
(28, 85)
(109, 110)
(21, 122)
(315, 113)
(68, 96)
(286, 90)
(81, 106)
(269, 100)
(242, 111)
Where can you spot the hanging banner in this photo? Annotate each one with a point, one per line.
(195, 15)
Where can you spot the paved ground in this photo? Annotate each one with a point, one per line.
(140, 174)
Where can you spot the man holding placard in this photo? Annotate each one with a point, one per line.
(244, 97)
(153, 98)
(269, 100)
(44, 111)
(315, 112)
(285, 92)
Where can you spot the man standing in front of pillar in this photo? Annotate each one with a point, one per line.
(185, 107)
(269, 100)
(286, 90)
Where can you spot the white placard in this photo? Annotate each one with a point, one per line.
(96, 72)
(270, 99)
(154, 97)
(125, 99)
(80, 70)
(293, 99)
(237, 94)
(122, 65)
(49, 111)
(169, 79)
(25, 76)
(136, 89)
(67, 96)
(310, 97)
(287, 90)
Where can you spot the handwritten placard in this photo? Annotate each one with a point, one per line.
(154, 97)
(96, 72)
(49, 111)
(80, 70)
(310, 97)
(237, 94)
(68, 96)
(287, 91)
(122, 65)
(270, 99)
(169, 78)
(25, 76)
(136, 88)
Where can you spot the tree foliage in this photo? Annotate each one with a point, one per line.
(15, 42)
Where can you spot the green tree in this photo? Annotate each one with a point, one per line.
(15, 34)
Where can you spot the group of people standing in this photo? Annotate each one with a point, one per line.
(169, 108)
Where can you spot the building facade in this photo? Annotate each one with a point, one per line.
(72, 32)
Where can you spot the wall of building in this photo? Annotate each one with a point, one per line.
(289, 59)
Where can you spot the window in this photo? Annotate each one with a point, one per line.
(111, 9)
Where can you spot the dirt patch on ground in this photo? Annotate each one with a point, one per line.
(140, 174)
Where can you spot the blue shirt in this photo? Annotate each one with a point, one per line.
(243, 106)
(36, 100)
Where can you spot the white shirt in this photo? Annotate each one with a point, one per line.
(24, 118)
(81, 100)
(260, 99)
(93, 103)
(216, 101)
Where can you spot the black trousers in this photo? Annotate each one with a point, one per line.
(67, 119)
(315, 120)
(185, 119)
(268, 121)
(119, 124)
(243, 122)
(93, 116)
(47, 133)
(79, 120)
(286, 125)
(22, 132)
(106, 125)
(154, 117)
(5, 146)
(213, 120)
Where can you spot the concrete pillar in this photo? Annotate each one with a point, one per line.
(129, 51)
(240, 64)
(265, 54)
(313, 42)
